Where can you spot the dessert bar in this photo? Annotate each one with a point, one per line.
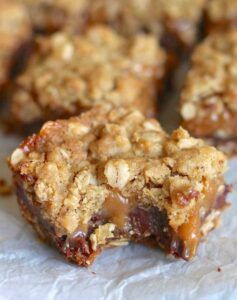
(68, 74)
(209, 96)
(111, 176)
(175, 22)
(221, 15)
(15, 34)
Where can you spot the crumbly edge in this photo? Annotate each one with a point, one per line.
(45, 229)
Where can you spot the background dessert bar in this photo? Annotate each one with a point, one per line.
(208, 99)
(68, 74)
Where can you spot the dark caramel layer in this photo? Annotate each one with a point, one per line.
(147, 225)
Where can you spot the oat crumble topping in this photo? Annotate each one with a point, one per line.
(98, 66)
(72, 166)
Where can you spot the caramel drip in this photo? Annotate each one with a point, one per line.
(190, 232)
(116, 208)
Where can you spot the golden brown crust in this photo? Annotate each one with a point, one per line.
(72, 166)
(97, 67)
(15, 31)
(208, 100)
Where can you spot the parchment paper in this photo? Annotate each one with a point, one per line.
(30, 269)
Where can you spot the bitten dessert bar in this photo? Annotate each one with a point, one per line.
(68, 74)
(175, 22)
(15, 34)
(221, 15)
(209, 96)
(111, 176)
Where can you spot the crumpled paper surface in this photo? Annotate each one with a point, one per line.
(30, 269)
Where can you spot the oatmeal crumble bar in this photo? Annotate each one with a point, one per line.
(209, 96)
(175, 21)
(111, 176)
(15, 33)
(48, 16)
(221, 15)
(69, 74)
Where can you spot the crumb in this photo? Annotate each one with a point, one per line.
(5, 188)
(218, 269)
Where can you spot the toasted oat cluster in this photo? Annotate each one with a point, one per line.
(69, 74)
(111, 176)
(15, 32)
(48, 16)
(221, 14)
(208, 100)
(175, 21)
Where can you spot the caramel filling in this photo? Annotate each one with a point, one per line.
(190, 232)
(117, 209)
(149, 225)
(148, 222)
(122, 212)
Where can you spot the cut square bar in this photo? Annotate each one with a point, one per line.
(111, 176)
(209, 96)
(68, 74)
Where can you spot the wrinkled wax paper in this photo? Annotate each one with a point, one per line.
(30, 269)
